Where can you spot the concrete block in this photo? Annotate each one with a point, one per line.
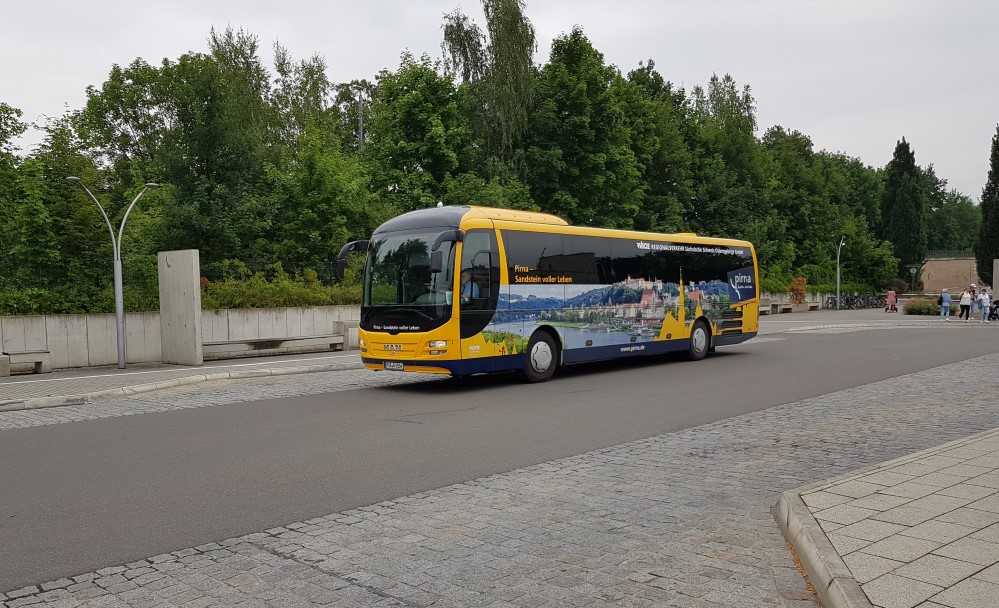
(4, 366)
(214, 325)
(243, 325)
(101, 337)
(180, 307)
(67, 336)
(273, 322)
(295, 322)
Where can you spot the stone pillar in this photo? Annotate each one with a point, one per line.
(180, 307)
(995, 275)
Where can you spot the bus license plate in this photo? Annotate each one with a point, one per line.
(395, 366)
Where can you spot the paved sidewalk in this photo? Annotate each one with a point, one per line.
(922, 530)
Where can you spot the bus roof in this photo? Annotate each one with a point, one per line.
(452, 215)
(516, 215)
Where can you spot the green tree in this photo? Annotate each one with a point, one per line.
(303, 97)
(655, 114)
(470, 189)
(497, 68)
(202, 125)
(902, 208)
(729, 165)
(798, 195)
(11, 127)
(322, 201)
(987, 246)
(417, 134)
(953, 220)
(579, 161)
(34, 250)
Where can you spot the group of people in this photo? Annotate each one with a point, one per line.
(970, 296)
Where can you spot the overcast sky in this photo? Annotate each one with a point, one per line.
(854, 75)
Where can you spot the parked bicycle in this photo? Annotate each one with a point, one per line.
(855, 302)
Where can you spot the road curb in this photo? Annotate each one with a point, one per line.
(872, 324)
(835, 584)
(34, 403)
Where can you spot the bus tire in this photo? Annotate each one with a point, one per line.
(700, 341)
(541, 357)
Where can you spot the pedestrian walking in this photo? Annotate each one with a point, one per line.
(944, 301)
(984, 305)
(965, 303)
(891, 301)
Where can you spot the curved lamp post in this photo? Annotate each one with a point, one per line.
(838, 248)
(119, 305)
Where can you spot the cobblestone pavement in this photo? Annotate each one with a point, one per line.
(681, 519)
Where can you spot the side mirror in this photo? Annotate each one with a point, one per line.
(452, 236)
(436, 261)
(341, 258)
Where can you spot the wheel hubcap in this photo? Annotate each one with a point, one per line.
(699, 339)
(541, 357)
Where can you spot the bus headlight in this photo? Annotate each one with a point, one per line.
(438, 344)
(361, 343)
(438, 352)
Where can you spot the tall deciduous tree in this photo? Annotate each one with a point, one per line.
(655, 115)
(728, 163)
(580, 164)
(498, 68)
(34, 251)
(10, 128)
(903, 208)
(987, 247)
(417, 134)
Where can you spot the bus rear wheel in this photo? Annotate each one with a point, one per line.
(700, 341)
(541, 357)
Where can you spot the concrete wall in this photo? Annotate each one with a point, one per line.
(259, 323)
(89, 340)
(83, 340)
(953, 273)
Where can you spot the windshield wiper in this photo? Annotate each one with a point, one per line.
(416, 310)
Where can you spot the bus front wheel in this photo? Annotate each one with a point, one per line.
(700, 341)
(541, 357)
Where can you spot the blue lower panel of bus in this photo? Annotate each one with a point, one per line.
(460, 368)
(571, 356)
(620, 351)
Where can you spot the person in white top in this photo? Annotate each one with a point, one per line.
(984, 305)
(965, 303)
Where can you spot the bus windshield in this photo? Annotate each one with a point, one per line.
(398, 278)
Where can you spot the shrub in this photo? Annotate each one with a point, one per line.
(925, 306)
(797, 291)
(274, 289)
(769, 285)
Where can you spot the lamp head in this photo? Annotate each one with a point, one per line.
(152, 185)
(73, 178)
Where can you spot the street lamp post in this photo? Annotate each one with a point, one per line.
(360, 118)
(119, 303)
(838, 248)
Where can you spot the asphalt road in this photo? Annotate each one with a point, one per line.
(79, 496)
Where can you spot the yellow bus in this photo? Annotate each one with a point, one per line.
(465, 290)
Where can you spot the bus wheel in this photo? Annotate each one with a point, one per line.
(700, 341)
(541, 357)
